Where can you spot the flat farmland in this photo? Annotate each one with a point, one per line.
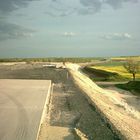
(21, 107)
(117, 69)
(109, 71)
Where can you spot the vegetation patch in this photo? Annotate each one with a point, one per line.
(124, 58)
(53, 59)
(103, 75)
(117, 69)
(131, 86)
(110, 71)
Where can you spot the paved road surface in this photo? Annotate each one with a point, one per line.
(21, 106)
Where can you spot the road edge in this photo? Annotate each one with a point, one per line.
(45, 109)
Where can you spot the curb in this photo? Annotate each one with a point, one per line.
(45, 109)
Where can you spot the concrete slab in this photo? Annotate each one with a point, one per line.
(21, 106)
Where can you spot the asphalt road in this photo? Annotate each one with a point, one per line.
(21, 106)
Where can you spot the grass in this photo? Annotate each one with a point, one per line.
(114, 71)
(133, 86)
(116, 67)
(110, 71)
(125, 58)
(102, 75)
(110, 63)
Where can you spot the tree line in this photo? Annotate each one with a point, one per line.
(51, 59)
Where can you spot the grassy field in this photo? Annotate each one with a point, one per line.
(125, 58)
(110, 71)
(114, 71)
(117, 69)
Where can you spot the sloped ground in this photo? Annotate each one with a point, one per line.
(123, 118)
(68, 110)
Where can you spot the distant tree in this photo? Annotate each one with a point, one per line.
(132, 66)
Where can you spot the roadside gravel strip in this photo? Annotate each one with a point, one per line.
(121, 118)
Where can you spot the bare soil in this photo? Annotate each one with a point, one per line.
(69, 110)
(118, 108)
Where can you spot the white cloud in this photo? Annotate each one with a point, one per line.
(127, 35)
(68, 34)
(117, 36)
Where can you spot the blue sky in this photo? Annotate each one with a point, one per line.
(69, 28)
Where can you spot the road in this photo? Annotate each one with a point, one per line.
(21, 106)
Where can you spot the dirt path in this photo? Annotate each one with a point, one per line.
(70, 111)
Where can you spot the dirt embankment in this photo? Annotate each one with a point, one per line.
(122, 117)
(69, 110)
(71, 113)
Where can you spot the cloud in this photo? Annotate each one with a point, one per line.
(13, 31)
(115, 3)
(68, 34)
(96, 5)
(62, 8)
(10, 30)
(92, 5)
(116, 36)
(7, 6)
(118, 3)
(59, 13)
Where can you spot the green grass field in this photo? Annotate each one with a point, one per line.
(114, 71)
(110, 71)
(119, 70)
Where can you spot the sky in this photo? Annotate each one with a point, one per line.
(69, 28)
